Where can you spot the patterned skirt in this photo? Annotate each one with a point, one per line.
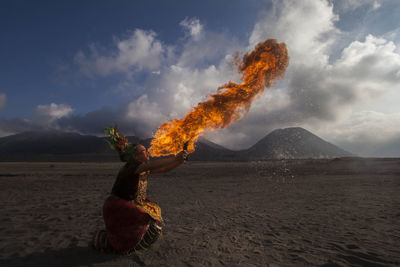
(129, 226)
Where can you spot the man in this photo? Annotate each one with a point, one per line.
(132, 220)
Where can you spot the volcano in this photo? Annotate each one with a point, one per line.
(293, 143)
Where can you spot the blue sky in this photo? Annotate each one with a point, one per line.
(81, 65)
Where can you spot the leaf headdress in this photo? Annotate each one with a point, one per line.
(119, 143)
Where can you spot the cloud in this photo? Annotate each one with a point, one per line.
(3, 100)
(369, 68)
(317, 90)
(140, 51)
(183, 78)
(182, 87)
(170, 95)
(307, 28)
(144, 115)
(212, 49)
(376, 5)
(10, 126)
(134, 118)
(93, 122)
(351, 5)
(193, 27)
(45, 115)
(60, 117)
(357, 127)
(366, 133)
(188, 77)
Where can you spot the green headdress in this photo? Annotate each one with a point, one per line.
(120, 143)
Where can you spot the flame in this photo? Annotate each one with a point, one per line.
(260, 68)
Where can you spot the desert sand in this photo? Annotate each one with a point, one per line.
(328, 212)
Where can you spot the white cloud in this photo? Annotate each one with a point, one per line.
(14, 125)
(316, 92)
(193, 27)
(370, 68)
(173, 93)
(140, 51)
(44, 117)
(367, 126)
(364, 133)
(214, 47)
(3, 100)
(185, 87)
(47, 114)
(184, 80)
(145, 114)
(307, 28)
(376, 5)
(351, 5)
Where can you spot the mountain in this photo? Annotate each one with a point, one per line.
(293, 143)
(56, 146)
(51, 142)
(62, 146)
(206, 150)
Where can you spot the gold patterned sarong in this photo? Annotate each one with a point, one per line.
(150, 208)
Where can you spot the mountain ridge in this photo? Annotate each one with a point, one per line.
(288, 143)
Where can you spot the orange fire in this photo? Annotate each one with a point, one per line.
(260, 68)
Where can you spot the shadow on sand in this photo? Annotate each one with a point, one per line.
(72, 256)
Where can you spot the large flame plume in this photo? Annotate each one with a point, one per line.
(260, 68)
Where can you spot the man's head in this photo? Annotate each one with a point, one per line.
(135, 152)
(127, 151)
(141, 154)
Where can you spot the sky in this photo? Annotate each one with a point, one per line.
(79, 66)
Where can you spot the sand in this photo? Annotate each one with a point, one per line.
(337, 212)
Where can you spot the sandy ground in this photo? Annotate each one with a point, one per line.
(294, 213)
